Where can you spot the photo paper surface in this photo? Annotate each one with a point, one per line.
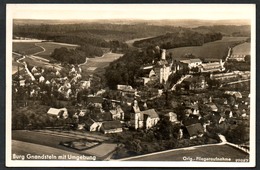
(130, 85)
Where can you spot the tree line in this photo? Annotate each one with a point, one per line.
(181, 38)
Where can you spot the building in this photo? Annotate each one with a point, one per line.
(195, 83)
(92, 125)
(212, 66)
(159, 71)
(111, 127)
(195, 130)
(96, 101)
(240, 51)
(59, 113)
(143, 119)
(117, 113)
(172, 117)
(191, 63)
(162, 68)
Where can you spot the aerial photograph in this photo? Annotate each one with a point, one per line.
(130, 82)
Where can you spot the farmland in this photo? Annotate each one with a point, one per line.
(49, 47)
(242, 49)
(195, 153)
(94, 64)
(33, 140)
(213, 50)
(42, 49)
(36, 149)
(26, 48)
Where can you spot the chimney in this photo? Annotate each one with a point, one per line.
(163, 54)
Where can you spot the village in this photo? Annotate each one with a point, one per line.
(205, 99)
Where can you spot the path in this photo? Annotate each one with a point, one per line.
(180, 81)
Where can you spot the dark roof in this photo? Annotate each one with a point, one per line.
(95, 99)
(195, 129)
(100, 117)
(107, 125)
(89, 122)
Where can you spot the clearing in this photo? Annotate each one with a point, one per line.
(213, 50)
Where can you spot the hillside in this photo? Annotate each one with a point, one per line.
(212, 50)
(180, 37)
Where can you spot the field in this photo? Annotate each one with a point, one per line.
(52, 140)
(212, 50)
(99, 63)
(242, 49)
(213, 151)
(42, 49)
(48, 48)
(26, 48)
(25, 148)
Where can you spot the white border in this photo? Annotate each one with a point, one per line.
(19, 163)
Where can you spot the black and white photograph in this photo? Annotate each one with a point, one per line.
(130, 85)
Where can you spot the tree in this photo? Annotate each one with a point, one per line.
(165, 130)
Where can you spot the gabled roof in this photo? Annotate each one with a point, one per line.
(54, 111)
(212, 106)
(189, 61)
(195, 129)
(89, 122)
(195, 60)
(151, 113)
(100, 117)
(108, 125)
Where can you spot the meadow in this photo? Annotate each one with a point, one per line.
(49, 47)
(242, 49)
(213, 50)
(26, 48)
(99, 63)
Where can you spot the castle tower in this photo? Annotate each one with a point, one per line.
(163, 54)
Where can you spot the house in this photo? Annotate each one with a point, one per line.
(191, 63)
(84, 84)
(92, 125)
(96, 118)
(143, 119)
(212, 106)
(234, 75)
(172, 117)
(236, 94)
(240, 51)
(41, 79)
(59, 113)
(117, 113)
(212, 66)
(195, 83)
(125, 89)
(111, 127)
(34, 70)
(195, 130)
(22, 83)
(96, 101)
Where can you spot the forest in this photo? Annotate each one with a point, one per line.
(181, 38)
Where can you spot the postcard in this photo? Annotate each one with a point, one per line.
(130, 85)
